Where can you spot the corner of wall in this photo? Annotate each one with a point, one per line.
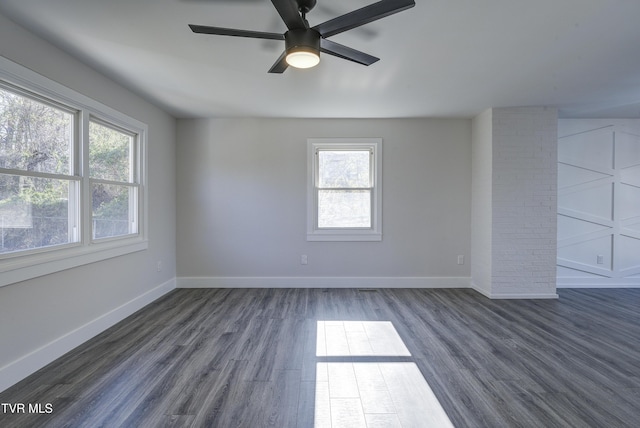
(481, 177)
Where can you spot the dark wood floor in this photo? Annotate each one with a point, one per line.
(250, 358)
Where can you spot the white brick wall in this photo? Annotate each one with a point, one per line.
(514, 172)
(524, 201)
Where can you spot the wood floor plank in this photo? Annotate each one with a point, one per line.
(253, 358)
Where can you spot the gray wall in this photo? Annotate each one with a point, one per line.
(481, 201)
(48, 311)
(242, 199)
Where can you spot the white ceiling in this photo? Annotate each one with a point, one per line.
(443, 58)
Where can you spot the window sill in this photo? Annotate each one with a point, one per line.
(25, 267)
(346, 237)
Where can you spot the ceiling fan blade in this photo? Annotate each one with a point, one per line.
(280, 65)
(288, 10)
(203, 29)
(362, 16)
(346, 52)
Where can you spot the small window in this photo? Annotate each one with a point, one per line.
(344, 202)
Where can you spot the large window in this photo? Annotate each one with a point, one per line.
(344, 202)
(71, 178)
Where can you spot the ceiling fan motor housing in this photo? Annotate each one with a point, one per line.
(306, 39)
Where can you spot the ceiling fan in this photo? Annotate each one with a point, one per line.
(303, 44)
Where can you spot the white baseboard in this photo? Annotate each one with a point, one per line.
(348, 282)
(497, 296)
(34, 361)
(323, 282)
(512, 296)
(598, 283)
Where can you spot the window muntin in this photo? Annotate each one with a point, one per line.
(344, 202)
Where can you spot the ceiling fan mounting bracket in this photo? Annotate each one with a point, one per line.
(304, 6)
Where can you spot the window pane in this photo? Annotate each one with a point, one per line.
(341, 168)
(109, 153)
(111, 210)
(344, 208)
(34, 136)
(35, 212)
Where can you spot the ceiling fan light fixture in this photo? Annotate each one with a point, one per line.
(303, 48)
(302, 58)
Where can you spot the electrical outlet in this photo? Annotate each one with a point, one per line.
(460, 260)
(158, 266)
(303, 259)
(600, 259)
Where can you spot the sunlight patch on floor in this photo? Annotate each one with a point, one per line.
(365, 378)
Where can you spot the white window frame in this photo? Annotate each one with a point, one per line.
(24, 265)
(374, 233)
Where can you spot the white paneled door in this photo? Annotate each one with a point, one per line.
(598, 205)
